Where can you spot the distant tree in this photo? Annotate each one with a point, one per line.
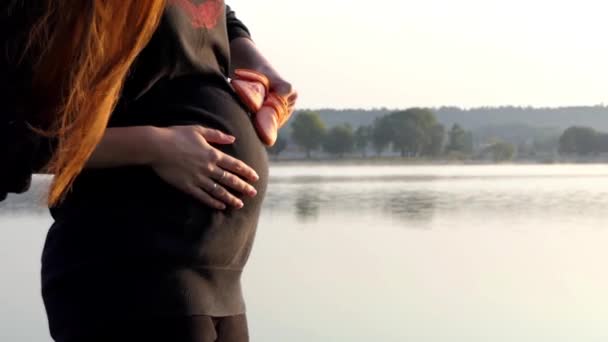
(547, 121)
(413, 131)
(601, 142)
(382, 132)
(339, 140)
(308, 131)
(278, 147)
(408, 134)
(500, 151)
(435, 148)
(363, 136)
(578, 140)
(468, 142)
(460, 140)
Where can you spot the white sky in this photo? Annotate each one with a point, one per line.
(403, 53)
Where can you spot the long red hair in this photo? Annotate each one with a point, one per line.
(83, 50)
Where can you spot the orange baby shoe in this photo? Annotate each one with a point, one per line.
(271, 110)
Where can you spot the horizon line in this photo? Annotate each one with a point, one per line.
(464, 108)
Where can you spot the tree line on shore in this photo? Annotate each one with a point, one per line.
(583, 141)
(416, 133)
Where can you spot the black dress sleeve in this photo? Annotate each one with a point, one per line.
(236, 28)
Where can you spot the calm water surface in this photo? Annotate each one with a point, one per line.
(450, 253)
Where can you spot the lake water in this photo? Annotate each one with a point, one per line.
(396, 253)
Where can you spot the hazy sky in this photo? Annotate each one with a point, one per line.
(402, 53)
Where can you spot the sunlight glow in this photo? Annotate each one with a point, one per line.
(402, 53)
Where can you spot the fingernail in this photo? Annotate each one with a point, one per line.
(222, 207)
(253, 192)
(240, 204)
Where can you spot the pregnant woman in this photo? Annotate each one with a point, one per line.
(151, 237)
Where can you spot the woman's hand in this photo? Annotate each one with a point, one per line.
(183, 157)
(186, 160)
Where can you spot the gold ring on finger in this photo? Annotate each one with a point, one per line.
(223, 176)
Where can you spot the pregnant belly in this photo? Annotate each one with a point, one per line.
(152, 217)
(213, 105)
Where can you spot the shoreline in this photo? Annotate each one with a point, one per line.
(390, 161)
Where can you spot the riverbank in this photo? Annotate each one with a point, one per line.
(405, 161)
(396, 160)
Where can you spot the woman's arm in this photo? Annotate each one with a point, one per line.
(123, 146)
(183, 157)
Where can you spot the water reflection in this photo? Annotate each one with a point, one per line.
(484, 197)
(417, 198)
(390, 254)
(408, 206)
(308, 205)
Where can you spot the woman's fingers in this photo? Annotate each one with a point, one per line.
(234, 182)
(223, 160)
(219, 192)
(204, 197)
(215, 136)
(237, 167)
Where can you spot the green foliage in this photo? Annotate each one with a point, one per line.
(382, 134)
(601, 142)
(412, 131)
(308, 131)
(416, 132)
(278, 147)
(408, 132)
(579, 140)
(460, 140)
(476, 119)
(435, 148)
(468, 142)
(500, 151)
(363, 136)
(339, 140)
